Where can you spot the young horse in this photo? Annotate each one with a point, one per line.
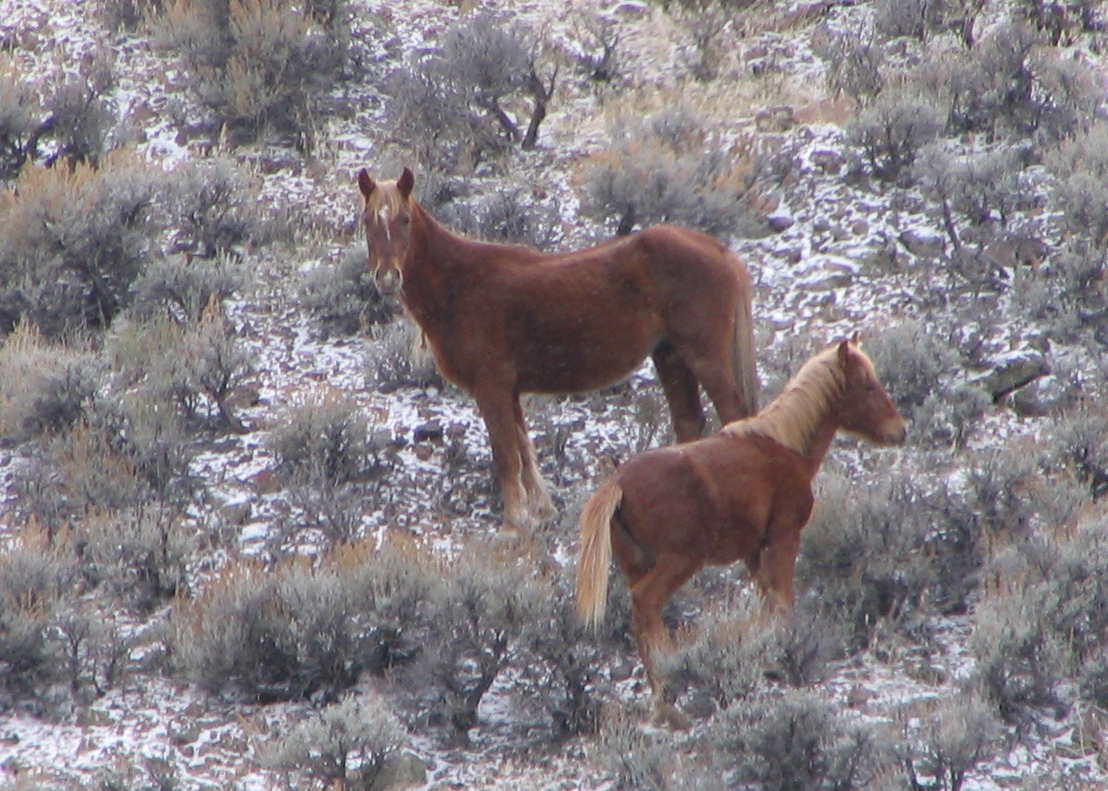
(504, 320)
(742, 494)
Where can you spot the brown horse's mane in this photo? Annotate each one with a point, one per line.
(791, 418)
(386, 198)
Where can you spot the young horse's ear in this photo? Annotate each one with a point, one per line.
(365, 183)
(857, 338)
(405, 183)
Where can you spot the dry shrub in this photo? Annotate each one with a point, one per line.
(323, 438)
(75, 241)
(401, 357)
(330, 455)
(215, 208)
(1043, 626)
(458, 107)
(946, 743)
(854, 62)
(345, 744)
(19, 119)
(34, 578)
(892, 132)
(343, 297)
(43, 388)
(193, 367)
(796, 741)
(80, 116)
(273, 634)
(1081, 168)
(140, 554)
(79, 471)
(258, 64)
(508, 216)
(670, 169)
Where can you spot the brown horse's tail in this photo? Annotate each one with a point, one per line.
(746, 359)
(596, 552)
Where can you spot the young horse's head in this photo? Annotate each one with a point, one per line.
(866, 409)
(387, 217)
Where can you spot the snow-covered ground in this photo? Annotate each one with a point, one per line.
(814, 284)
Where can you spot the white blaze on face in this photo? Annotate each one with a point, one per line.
(383, 215)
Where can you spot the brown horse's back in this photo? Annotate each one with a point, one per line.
(662, 284)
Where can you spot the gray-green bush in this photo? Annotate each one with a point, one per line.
(346, 743)
(668, 168)
(258, 65)
(343, 297)
(75, 241)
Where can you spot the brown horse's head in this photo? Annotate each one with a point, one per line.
(387, 217)
(866, 408)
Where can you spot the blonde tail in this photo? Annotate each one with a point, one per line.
(746, 358)
(596, 553)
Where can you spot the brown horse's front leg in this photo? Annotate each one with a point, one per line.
(498, 411)
(539, 505)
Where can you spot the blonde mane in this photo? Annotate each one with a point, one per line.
(792, 417)
(385, 202)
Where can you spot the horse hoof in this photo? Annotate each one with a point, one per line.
(510, 537)
(667, 715)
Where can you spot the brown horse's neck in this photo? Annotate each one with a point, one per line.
(432, 256)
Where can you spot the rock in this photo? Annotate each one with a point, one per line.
(775, 119)
(923, 243)
(235, 513)
(700, 706)
(1028, 402)
(1014, 372)
(401, 770)
(830, 162)
(778, 223)
(428, 432)
(265, 482)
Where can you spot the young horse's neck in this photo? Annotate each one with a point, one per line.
(802, 418)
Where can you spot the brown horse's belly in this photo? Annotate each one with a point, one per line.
(581, 367)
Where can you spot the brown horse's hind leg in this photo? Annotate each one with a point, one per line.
(681, 391)
(538, 503)
(715, 374)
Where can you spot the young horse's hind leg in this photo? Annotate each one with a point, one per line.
(649, 595)
(539, 504)
(682, 392)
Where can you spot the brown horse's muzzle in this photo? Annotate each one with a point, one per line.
(388, 281)
(896, 431)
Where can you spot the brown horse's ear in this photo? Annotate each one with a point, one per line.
(365, 183)
(844, 353)
(405, 183)
(857, 338)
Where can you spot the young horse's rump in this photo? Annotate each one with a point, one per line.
(504, 320)
(742, 494)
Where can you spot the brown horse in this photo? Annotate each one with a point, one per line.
(504, 320)
(742, 494)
